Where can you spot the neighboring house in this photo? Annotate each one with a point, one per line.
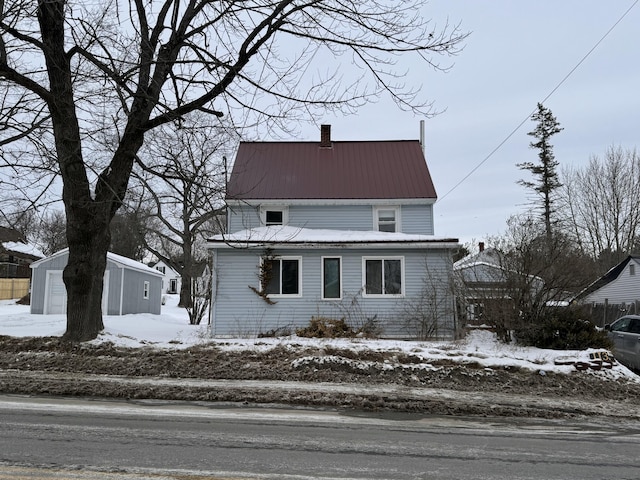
(486, 288)
(481, 286)
(170, 278)
(16, 254)
(129, 286)
(336, 230)
(614, 294)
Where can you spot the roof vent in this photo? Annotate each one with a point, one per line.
(325, 136)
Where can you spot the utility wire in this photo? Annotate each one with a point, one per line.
(485, 159)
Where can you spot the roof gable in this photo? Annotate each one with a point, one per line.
(344, 170)
(608, 277)
(11, 235)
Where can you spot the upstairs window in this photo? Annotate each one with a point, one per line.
(161, 269)
(632, 270)
(386, 219)
(383, 276)
(274, 216)
(282, 276)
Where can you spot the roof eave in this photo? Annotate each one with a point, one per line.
(448, 244)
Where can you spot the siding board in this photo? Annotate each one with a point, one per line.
(414, 219)
(241, 312)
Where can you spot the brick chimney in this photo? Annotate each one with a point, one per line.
(325, 136)
(481, 246)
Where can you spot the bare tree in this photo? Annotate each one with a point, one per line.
(51, 237)
(183, 174)
(522, 274)
(85, 75)
(601, 204)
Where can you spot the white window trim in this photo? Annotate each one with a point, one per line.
(383, 295)
(284, 209)
(376, 213)
(322, 278)
(145, 290)
(285, 295)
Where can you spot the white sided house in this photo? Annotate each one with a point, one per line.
(170, 278)
(129, 286)
(616, 293)
(333, 229)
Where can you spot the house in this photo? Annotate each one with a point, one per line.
(16, 254)
(488, 287)
(333, 229)
(170, 278)
(614, 294)
(129, 286)
(481, 286)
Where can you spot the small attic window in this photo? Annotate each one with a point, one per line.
(386, 219)
(632, 270)
(274, 216)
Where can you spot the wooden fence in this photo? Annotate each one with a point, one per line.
(601, 314)
(13, 288)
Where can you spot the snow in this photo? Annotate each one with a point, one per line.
(23, 248)
(171, 330)
(286, 234)
(118, 259)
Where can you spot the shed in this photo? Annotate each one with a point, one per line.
(129, 286)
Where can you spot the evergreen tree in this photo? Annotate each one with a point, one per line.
(546, 180)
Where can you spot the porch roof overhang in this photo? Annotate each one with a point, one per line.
(304, 238)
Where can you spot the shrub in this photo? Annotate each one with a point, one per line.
(323, 327)
(276, 332)
(561, 329)
(26, 300)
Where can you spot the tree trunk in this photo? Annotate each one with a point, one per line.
(83, 277)
(185, 288)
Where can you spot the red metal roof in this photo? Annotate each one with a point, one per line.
(346, 170)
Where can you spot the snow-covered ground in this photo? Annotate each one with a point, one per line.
(171, 329)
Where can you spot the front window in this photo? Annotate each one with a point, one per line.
(331, 278)
(145, 290)
(383, 276)
(386, 219)
(281, 276)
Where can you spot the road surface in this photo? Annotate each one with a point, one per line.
(46, 438)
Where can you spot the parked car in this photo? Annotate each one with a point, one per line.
(625, 335)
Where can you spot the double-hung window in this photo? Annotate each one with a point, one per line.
(282, 276)
(145, 290)
(386, 219)
(384, 276)
(331, 278)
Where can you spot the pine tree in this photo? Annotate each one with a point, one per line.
(545, 174)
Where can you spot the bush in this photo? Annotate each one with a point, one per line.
(561, 329)
(323, 327)
(26, 300)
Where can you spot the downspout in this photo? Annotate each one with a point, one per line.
(214, 288)
(121, 288)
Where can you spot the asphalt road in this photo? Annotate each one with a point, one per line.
(71, 438)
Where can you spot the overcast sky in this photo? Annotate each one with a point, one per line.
(518, 52)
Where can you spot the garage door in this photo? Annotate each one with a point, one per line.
(55, 299)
